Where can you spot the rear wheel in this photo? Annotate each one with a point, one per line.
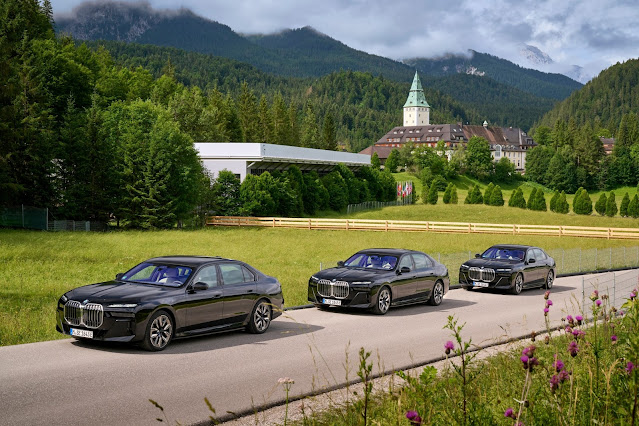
(260, 318)
(437, 295)
(383, 301)
(519, 284)
(159, 332)
(550, 279)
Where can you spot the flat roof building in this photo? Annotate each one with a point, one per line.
(256, 158)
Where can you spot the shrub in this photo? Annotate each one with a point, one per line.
(562, 205)
(447, 192)
(496, 197)
(432, 194)
(540, 201)
(623, 209)
(487, 193)
(425, 190)
(453, 195)
(582, 203)
(530, 205)
(553, 201)
(600, 205)
(611, 205)
(440, 183)
(574, 200)
(633, 207)
(517, 199)
(474, 196)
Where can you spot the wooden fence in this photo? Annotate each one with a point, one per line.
(425, 226)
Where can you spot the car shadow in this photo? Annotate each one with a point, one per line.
(208, 342)
(406, 310)
(533, 292)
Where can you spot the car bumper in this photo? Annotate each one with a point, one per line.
(357, 298)
(501, 281)
(116, 327)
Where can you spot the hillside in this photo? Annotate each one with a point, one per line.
(602, 101)
(553, 86)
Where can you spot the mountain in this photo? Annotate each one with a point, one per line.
(535, 56)
(553, 86)
(603, 101)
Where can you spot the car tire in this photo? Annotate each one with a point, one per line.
(550, 279)
(382, 301)
(518, 285)
(260, 318)
(437, 295)
(159, 331)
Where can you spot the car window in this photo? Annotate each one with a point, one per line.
(421, 261)
(406, 261)
(372, 261)
(208, 276)
(530, 255)
(539, 254)
(151, 273)
(231, 273)
(357, 260)
(248, 275)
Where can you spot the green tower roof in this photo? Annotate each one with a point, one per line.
(416, 95)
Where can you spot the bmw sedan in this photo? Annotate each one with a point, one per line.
(377, 279)
(509, 267)
(171, 297)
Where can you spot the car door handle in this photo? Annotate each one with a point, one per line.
(250, 291)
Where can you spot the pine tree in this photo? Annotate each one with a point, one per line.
(496, 197)
(530, 205)
(474, 196)
(633, 207)
(540, 201)
(623, 209)
(264, 130)
(425, 192)
(375, 162)
(611, 205)
(582, 203)
(453, 195)
(600, 205)
(553, 201)
(329, 140)
(247, 113)
(575, 200)
(432, 194)
(281, 125)
(488, 192)
(447, 193)
(310, 130)
(517, 199)
(562, 204)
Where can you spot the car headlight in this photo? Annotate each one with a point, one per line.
(314, 278)
(464, 267)
(361, 282)
(123, 305)
(504, 270)
(64, 299)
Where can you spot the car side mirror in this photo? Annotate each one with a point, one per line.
(119, 276)
(404, 270)
(340, 263)
(477, 255)
(200, 286)
(531, 260)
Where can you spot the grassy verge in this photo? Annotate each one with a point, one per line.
(39, 266)
(583, 375)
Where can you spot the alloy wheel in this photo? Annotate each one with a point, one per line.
(161, 331)
(262, 317)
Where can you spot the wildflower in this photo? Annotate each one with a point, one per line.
(573, 348)
(579, 319)
(529, 362)
(529, 351)
(568, 330)
(548, 302)
(613, 338)
(414, 418)
(633, 294)
(533, 334)
(510, 413)
(559, 365)
(546, 295)
(598, 302)
(545, 312)
(594, 296)
(554, 383)
(564, 375)
(449, 346)
(629, 367)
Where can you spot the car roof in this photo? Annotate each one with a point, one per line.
(388, 251)
(190, 261)
(513, 246)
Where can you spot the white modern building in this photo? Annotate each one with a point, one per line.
(256, 158)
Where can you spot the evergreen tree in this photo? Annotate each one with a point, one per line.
(453, 195)
(582, 203)
(296, 182)
(281, 125)
(600, 205)
(247, 113)
(329, 140)
(226, 194)
(517, 199)
(447, 193)
(562, 204)
(264, 130)
(530, 205)
(375, 162)
(576, 199)
(488, 192)
(392, 162)
(474, 196)
(553, 201)
(633, 207)
(496, 197)
(540, 201)
(611, 205)
(425, 192)
(310, 130)
(623, 209)
(337, 190)
(432, 194)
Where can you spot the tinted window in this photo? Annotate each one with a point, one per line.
(503, 253)
(207, 275)
(248, 275)
(421, 261)
(406, 261)
(373, 261)
(539, 254)
(150, 273)
(231, 273)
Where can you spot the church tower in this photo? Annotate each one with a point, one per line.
(416, 109)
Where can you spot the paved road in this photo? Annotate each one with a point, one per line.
(66, 382)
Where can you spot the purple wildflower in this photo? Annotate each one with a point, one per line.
(547, 295)
(573, 348)
(546, 312)
(613, 338)
(598, 302)
(510, 413)
(449, 346)
(633, 294)
(568, 330)
(554, 383)
(629, 367)
(559, 365)
(563, 376)
(579, 319)
(529, 351)
(548, 302)
(569, 318)
(414, 418)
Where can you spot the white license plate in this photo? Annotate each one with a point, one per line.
(479, 284)
(332, 302)
(82, 333)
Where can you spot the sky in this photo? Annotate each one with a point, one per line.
(593, 34)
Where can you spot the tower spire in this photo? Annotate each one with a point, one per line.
(416, 109)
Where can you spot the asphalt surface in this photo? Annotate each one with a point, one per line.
(66, 382)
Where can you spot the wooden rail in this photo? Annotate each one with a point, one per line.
(425, 226)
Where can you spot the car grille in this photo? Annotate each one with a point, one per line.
(480, 274)
(89, 315)
(338, 289)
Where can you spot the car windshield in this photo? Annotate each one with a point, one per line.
(503, 253)
(158, 274)
(371, 261)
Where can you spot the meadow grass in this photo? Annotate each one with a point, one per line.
(37, 267)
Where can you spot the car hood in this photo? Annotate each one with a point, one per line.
(352, 274)
(493, 263)
(117, 291)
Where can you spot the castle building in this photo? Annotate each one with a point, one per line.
(511, 143)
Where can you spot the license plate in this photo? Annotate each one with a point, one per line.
(479, 284)
(332, 302)
(82, 333)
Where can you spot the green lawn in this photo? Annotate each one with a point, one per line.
(37, 267)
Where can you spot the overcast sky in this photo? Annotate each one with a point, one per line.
(593, 34)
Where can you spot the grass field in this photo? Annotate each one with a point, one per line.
(37, 267)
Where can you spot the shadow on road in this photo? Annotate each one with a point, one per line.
(535, 292)
(402, 311)
(209, 342)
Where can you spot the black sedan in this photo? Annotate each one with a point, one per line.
(167, 297)
(377, 279)
(511, 267)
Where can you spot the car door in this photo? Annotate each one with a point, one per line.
(204, 307)
(531, 268)
(424, 275)
(543, 263)
(238, 291)
(404, 285)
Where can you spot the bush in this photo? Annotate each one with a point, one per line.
(446, 198)
(611, 205)
(517, 199)
(553, 201)
(600, 205)
(440, 183)
(453, 195)
(562, 205)
(487, 192)
(623, 209)
(633, 207)
(425, 189)
(432, 194)
(474, 196)
(496, 197)
(531, 200)
(582, 203)
(540, 201)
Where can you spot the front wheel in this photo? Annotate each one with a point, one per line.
(550, 279)
(519, 284)
(159, 332)
(260, 318)
(437, 294)
(383, 302)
